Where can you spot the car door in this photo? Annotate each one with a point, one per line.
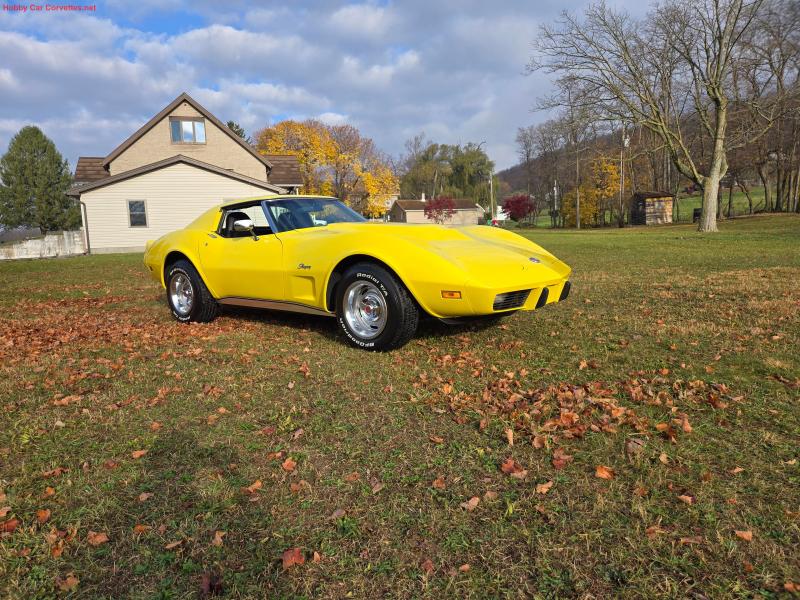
(244, 266)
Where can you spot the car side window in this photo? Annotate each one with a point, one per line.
(254, 213)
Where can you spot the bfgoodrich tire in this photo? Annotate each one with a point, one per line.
(188, 297)
(374, 309)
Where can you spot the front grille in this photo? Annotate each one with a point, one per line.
(510, 299)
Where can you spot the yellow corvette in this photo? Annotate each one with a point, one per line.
(314, 254)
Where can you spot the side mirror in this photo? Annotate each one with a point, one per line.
(245, 225)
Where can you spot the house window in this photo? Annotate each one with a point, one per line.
(137, 213)
(187, 131)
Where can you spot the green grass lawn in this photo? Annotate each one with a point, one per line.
(686, 205)
(673, 366)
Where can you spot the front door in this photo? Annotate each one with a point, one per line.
(237, 264)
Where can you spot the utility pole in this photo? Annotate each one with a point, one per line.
(491, 196)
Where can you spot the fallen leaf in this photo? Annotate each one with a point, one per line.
(48, 491)
(145, 496)
(173, 545)
(634, 446)
(543, 488)
(138, 453)
(317, 557)
(43, 515)
(687, 499)
(155, 426)
(695, 539)
(217, 541)
(55, 472)
(513, 468)
(253, 487)
(427, 566)
(377, 488)
(337, 514)
(288, 465)
(4, 511)
(510, 436)
(604, 472)
(436, 439)
(69, 583)
(464, 568)
(561, 459)
(438, 483)
(351, 477)
(654, 530)
(139, 528)
(640, 491)
(471, 504)
(489, 495)
(736, 470)
(663, 458)
(96, 538)
(292, 557)
(210, 585)
(9, 526)
(290, 385)
(745, 535)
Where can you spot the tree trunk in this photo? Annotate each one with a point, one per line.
(764, 176)
(730, 198)
(746, 190)
(717, 169)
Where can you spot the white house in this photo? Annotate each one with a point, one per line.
(177, 165)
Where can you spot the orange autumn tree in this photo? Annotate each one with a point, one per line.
(310, 142)
(597, 192)
(334, 160)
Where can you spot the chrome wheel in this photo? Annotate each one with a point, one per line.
(365, 309)
(181, 294)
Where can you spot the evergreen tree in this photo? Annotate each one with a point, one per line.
(239, 130)
(34, 179)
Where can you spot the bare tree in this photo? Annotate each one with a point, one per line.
(526, 150)
(667, 73)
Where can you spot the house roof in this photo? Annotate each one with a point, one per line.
(90, 168)
(460, 204)
(184, 97)
(285, 169)
(646, 195)
(77, 190)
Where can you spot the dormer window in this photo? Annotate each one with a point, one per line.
(187, 130)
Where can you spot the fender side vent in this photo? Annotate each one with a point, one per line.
(510, 300)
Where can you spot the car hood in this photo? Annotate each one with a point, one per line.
(486, 254)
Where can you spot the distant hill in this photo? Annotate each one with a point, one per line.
(514, 177)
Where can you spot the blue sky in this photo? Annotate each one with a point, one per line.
(453, 69)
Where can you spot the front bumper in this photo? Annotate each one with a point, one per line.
(486, 300)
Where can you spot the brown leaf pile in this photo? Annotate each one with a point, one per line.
(564, 411)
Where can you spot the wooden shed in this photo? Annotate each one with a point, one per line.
(651, 208)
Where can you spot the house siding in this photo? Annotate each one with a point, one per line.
(174, 197)
(461, 217)
(219, 148)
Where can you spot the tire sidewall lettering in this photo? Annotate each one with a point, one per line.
(374, 280)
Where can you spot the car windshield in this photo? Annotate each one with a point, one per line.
(302, 213)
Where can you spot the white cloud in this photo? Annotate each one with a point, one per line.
(450, 67)
(362, 21)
